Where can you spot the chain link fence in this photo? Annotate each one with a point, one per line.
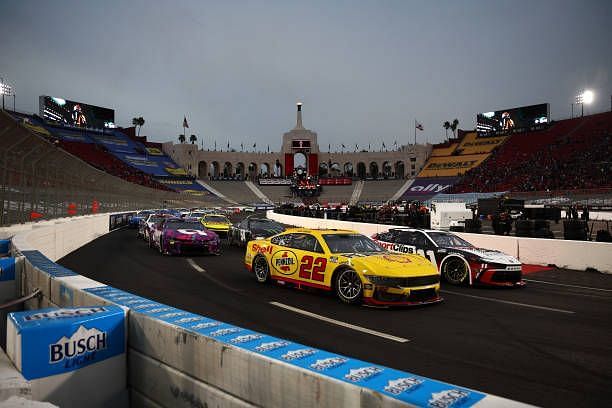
(41, 181)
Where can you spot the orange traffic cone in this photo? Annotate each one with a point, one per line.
(35, 215)
(72, 209)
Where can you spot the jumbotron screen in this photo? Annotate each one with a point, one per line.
(514, 120)
(75, 113)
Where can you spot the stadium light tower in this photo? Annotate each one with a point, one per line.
(5, 89)
(587, 96)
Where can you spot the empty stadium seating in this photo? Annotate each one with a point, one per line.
(236, 190)
(379, 190)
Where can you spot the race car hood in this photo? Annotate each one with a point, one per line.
(184, 233)
(490, 256)
(216, 225)
(391, 265)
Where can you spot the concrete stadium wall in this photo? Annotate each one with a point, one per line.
(579, 255)
(179, 359)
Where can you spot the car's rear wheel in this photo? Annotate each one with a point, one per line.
(455, 271)
(261, 269)
(349, 287)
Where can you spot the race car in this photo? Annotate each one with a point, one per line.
(253, 228)
(135, 220)
(177, 236)
(216, 222)
(350, 264)
(145, 226)
(457, 260)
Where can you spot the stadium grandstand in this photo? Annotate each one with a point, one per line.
(115, 152)
(571, 154)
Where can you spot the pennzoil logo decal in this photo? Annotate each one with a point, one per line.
(396, 258)
(285, 262)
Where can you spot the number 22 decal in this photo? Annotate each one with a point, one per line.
(313, 269)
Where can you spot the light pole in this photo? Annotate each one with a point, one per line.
(585, 96)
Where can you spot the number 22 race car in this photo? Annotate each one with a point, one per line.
(348, 263)
(459, 261)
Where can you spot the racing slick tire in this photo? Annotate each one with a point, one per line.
(261, 269)
(349, 287)
(455, 270)
(161, 247)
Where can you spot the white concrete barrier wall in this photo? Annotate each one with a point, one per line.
(578, 255)
(179, 359)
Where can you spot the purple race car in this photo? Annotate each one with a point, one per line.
(177, 236)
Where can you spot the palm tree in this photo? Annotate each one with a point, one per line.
(446, 126)
(138, 122)
(193, 139)
(141, 122)
(454, 126)
(182, 138)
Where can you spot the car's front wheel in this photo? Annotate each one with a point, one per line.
(455, 271)
(261, 269)
(349, 287)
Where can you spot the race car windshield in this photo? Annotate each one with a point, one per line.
(213, 218)
(448, 240)
(155, 218)
(266, 226)
(342, 243)
(185, 225)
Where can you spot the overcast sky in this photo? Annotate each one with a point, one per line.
(365, 70)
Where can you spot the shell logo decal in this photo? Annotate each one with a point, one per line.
(285, 262)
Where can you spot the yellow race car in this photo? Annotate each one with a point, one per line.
(217, 223)
(352, 265)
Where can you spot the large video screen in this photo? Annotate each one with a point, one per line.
(507, 121)
(75, 113)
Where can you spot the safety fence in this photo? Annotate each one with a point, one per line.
(41, 181)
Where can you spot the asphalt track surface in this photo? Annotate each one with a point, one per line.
(548, 344)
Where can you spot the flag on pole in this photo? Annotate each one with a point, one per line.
(356, 147)
(418, 125)
(185, 124)
(384, 145)
(254, 145)
(228, 145)
(268, 148)
(241, 147)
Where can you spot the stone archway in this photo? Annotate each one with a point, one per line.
(300, 162)
(387, 170)
(278, 169)
(335, 170)
(227, 170)
(240, 170)
(348, 169)
(323, 170)
(374, 170)
(361, 170)
(400, 171)
(203, 170)
(252, 170)
(264, 170)
(214, 169)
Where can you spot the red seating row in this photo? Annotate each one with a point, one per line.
(99, 158)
